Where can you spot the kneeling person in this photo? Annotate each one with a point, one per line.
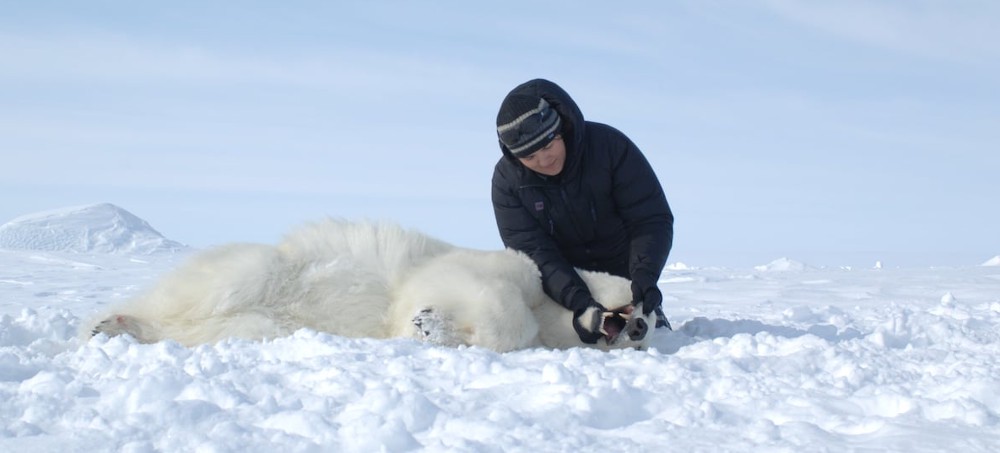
(575, 193)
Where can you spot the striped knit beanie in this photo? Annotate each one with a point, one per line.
(526, 124)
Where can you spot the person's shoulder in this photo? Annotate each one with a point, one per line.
(604, 135)
(607, 140)
(602, 129)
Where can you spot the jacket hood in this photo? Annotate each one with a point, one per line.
(572, 118)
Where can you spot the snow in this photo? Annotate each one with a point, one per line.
(779, 357)
(98, 228)
(995, 261)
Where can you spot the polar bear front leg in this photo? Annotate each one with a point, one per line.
(435, 328)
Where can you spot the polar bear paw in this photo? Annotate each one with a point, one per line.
(433, 327)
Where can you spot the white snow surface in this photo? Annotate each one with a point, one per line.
(98, 228)
(806, 359)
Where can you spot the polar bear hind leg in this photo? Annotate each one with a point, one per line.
(191, 332)
(115, 325)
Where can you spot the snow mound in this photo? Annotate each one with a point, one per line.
(97, 228)
(995, 261)
(782, 265)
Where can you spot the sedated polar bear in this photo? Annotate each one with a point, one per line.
(367, 280)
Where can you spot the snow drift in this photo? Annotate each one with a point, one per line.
(99, 228)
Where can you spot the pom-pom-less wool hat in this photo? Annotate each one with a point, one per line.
(526, 124)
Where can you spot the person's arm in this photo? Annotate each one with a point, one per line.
(649, 220)
(520, 231)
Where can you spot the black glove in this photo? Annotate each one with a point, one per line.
(587, 322)
(650, 298)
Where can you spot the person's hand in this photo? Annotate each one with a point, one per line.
(649, 298)
(587, 322)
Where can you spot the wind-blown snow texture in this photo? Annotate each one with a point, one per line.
(99, 228)
(781, 357)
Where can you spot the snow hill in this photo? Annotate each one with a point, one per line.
(782, 265)
(98, 228)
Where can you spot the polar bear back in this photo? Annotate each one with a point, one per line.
(384, 248)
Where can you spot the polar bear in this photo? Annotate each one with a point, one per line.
(372, 280)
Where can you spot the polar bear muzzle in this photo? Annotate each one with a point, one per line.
(619, 321)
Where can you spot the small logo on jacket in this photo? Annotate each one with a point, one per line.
(539, 206)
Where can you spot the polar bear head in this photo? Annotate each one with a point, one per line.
(623, 326)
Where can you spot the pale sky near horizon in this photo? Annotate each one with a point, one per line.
(827, 132)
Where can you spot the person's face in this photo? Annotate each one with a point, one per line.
(549, 160)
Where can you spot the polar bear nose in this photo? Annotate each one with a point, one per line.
(637, 328)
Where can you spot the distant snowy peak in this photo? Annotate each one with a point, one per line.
(98, 228)
(995, 261)
(678, 266)
(782, 265)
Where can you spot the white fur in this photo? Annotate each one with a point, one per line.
(360, 280)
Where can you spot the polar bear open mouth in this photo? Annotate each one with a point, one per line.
(616, 322)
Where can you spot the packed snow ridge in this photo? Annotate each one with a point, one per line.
(97, 228)
(782, 265)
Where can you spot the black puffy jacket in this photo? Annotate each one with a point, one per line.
(605, 211)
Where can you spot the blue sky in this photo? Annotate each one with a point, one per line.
(828, 132)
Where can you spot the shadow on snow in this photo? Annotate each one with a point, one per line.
(701, 329)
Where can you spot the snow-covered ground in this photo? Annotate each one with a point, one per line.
(783, 356)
